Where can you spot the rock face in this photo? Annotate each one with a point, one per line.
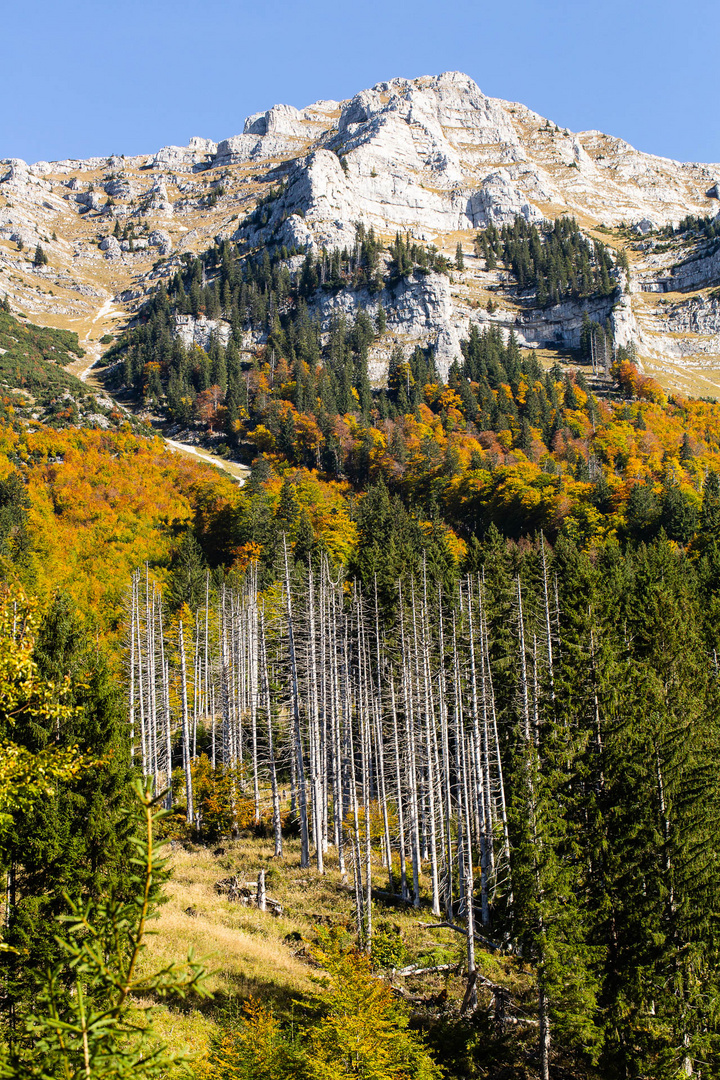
(200, 331)
(431, 157)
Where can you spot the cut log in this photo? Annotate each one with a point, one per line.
(414, 970)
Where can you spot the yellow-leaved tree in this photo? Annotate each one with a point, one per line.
(24, 776)
(362, 1032)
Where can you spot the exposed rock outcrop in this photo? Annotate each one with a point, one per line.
(432, 157)
(200, 331)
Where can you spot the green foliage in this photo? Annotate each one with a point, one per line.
(88, 1021)
(388, 949)
(363, 1031)
(15, 540)
(257, 1049)
(26, 777)
(33, 357)
(188, 571)
(71, 844)
(555, 260)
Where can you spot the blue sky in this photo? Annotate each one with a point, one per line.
(88, 78)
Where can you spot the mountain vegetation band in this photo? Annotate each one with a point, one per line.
(450, 652)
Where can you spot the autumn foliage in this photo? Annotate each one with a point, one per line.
(362, 1031)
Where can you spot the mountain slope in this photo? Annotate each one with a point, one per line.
(432, 157)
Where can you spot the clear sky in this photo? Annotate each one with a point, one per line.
(84, 77)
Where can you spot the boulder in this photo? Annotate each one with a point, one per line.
(156, 199)
(91, 199)
(120, 187)
(111, 246)
(190, 158)
(160, 240)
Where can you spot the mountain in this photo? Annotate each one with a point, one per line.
(439, 673)
(432, 158)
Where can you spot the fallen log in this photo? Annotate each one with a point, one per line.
(393, 898)
(415, 970)
(248, 892)
(444, 926)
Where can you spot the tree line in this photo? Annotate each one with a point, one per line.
(527, 751)
(556, 260)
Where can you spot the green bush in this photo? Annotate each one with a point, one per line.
(388, 948)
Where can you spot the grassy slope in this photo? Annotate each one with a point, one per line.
(33, 357)
(251, 953)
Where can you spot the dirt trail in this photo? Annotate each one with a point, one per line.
(234, 468)
(82, 369)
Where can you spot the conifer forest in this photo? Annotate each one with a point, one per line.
(397, 760)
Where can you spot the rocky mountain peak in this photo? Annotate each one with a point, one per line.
(433, 158)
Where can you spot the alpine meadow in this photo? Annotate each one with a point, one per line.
(360, 602)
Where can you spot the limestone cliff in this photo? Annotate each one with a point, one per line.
(432, 157)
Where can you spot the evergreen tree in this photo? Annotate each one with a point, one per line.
(71, 844)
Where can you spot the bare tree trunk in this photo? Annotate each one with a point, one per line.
(206, 650)
(151, 679)
(544, 1022)
(481, 806)
(404, 892)
(485, 645)
(185, 728)
(132, 671)
(253, 674)
(380, 744)
(429, 748)
(166, 709)
(337, 737)
(277, 822)
(548, 628)
(470, 1001)
(302, 793)
(357, 864)
(141, 695)
(412, 772)
(525, 697)
(445, 772)
(315, 731)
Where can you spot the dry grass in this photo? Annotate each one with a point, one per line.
(249, 952)
(690, 377)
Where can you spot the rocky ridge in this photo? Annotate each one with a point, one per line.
(432, 157)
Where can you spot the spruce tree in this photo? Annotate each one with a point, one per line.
(71, 844)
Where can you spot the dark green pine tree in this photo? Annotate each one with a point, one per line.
(550, 916)
(678, 514)
(662, 988)
(72, 842)
(187, 573)
(15, 543)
